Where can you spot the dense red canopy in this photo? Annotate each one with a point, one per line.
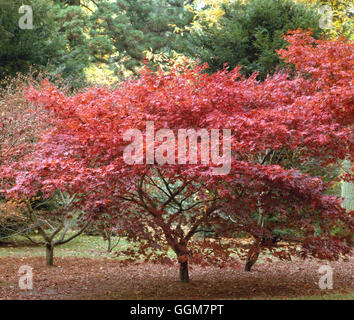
(278, 126)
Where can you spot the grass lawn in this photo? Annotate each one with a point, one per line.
(83, 247)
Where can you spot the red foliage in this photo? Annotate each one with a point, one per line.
(307, 116)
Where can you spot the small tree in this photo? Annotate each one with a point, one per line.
(53, 219)
(20, 125)
(99, 139)
(109, 228)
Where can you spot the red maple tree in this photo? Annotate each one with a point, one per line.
(283, 130)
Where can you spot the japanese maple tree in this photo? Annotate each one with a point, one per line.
(21, 125)
(276, 126)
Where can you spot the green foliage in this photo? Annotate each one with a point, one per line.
(124, 30)
(70, 37)
(71, 23)
(56, 44)
(248, 34)
(22, 48)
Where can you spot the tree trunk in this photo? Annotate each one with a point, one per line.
(253, 254)
(251, 260)
(183, 271)
(109, 239)
(49, 254)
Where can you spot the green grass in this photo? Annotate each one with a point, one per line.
(83, 246)
(93, 247)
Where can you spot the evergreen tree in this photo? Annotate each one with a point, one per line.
(123, 30)
(21, 48)
(70, 35)
(57, 42)
(248, 34)
(72, 25)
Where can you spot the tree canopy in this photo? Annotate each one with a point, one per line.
(164, 204)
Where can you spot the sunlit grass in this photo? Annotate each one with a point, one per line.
(84, 247)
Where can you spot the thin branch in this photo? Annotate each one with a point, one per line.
(55, 232)
(197, 224)
(73, 236)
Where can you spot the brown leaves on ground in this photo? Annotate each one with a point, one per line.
(81, 278)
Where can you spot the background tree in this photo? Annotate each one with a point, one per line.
(342, 17)
(209, 11)
(348, 186)
(248, 33)
(57, 43)
(55, 219)
(11, 221)
(22, 48)
(122, 31)
(20, 126)
(72, 27)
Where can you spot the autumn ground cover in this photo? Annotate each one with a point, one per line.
(84, 270)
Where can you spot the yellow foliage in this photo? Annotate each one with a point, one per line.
(211, 11)
(343, 12)
(211, 14)
(10, 208)
(165, 61)
(100, 75)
